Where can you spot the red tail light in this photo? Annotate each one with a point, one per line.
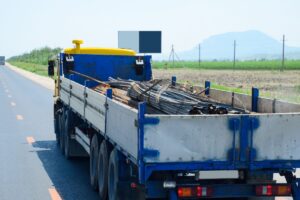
(273, 190)
(197, 191)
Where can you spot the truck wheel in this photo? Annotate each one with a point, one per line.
(61, 134)
(67, 136)
(103, 170)
(57, 127)
(113, 175)
(94, 162)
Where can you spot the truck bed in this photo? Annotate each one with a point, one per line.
(268, 138)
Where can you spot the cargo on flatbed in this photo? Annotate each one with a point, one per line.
(160, 139)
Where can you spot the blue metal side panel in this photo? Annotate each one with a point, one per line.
(104, 66)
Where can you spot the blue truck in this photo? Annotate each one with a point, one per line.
(2, 60)
(136, 153)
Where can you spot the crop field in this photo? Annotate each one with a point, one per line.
(240, 65)
(272, 83)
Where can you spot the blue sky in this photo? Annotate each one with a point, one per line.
(29, 24)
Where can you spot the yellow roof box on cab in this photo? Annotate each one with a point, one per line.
(97, 51)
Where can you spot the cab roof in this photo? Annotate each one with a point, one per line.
(97, 51)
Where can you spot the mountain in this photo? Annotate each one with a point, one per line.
(250, 45)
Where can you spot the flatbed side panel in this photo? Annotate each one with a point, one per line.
(95, 109)
(64, 96)
(277, 137)
(190, 138)
(90, 107)
(120, 126)
(265, 105)
(275, 106)
(77, 105)
(235, 99)
(221, 96)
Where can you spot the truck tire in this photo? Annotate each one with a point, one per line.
(113, 175)
(57, 128)
(61, 134)
(103, 169)
(67, 142)
(94, 162)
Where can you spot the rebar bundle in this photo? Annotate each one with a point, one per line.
(168, 99)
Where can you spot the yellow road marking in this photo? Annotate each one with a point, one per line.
(30, 140)
(19, 117)
(54, 194)
(12, 103)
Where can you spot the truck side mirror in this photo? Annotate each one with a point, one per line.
(51, 64)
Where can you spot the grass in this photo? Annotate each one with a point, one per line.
(32, 67)
(240, 65)
(36, 56)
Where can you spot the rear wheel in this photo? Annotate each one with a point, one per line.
(103, 170)
(94, 162)
(113, 175)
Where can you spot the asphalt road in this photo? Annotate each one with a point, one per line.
(31, 165)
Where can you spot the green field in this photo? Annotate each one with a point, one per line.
(240, 65)
(32, 67)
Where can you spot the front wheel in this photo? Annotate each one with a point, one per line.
(61, 134)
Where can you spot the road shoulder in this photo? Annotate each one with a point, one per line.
(41, 80)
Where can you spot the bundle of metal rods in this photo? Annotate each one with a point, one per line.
(168, 99)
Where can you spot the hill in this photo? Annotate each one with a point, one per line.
(250, 45)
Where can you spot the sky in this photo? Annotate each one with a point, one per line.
(30, 24)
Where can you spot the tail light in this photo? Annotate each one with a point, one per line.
(198, 191)
(273, 190)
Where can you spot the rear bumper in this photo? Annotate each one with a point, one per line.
(156, 190)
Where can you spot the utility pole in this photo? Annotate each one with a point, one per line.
(234, 52)
(173, 55)
(283, 46)
(199, 54)
(173, 52)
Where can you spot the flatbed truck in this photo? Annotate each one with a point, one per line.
(135, 154)
(2, 60)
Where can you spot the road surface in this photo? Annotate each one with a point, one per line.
(31, 165)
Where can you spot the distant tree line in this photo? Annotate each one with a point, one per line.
(37, 56)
